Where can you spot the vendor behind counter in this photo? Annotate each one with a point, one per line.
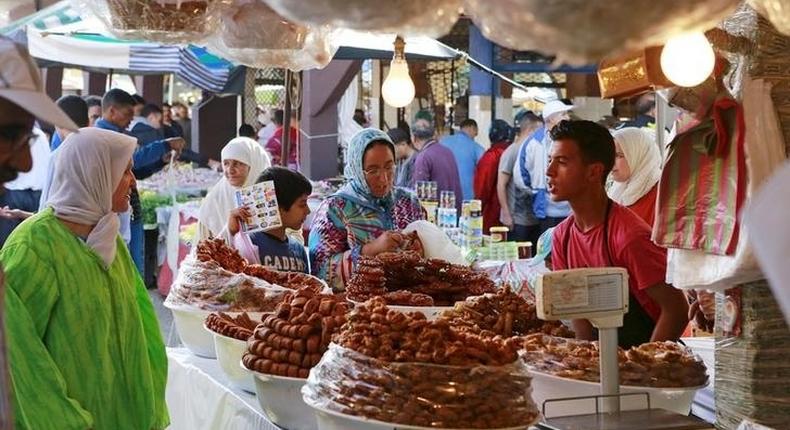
(602, 233)
(365, 215)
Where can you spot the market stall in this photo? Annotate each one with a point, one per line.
(271, 350)
(450, 326)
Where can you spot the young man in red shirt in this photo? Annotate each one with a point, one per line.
(601, 233)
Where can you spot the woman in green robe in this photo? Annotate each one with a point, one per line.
(84, 341)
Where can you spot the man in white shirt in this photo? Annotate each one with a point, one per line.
(534, 160)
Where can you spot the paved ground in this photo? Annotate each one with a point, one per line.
(165, 320)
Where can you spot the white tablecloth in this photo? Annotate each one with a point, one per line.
(199, 396)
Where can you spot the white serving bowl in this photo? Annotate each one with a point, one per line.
(332, 420)
(229, 354)
(280, 398)
(190, 325)
(546, 386)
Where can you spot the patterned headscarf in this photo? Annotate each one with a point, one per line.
(354, 171)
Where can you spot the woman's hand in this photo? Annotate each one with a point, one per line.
(412, 242)
(8, 213)
(237, 216)
(388, 241)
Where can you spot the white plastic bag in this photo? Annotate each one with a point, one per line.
(436, 244)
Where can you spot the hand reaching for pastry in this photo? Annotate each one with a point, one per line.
(386, 242)
(411, 242)
(393, 241)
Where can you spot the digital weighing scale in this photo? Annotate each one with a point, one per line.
(600, 295)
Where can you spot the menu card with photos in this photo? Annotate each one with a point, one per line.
(261, 200)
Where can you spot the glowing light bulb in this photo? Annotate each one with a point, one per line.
(398, 88)
(688, 59)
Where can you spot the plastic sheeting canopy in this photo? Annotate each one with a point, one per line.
(406, 17)
(254, 35)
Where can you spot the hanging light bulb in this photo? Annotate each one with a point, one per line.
(688, 59)
(398, 88)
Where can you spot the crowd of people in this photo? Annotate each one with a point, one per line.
(76, 254)
(510, 176)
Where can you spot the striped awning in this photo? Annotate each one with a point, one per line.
(59, 34)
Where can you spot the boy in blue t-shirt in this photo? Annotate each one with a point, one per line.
(275, 249)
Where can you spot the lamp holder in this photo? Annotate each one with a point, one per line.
(400, 47)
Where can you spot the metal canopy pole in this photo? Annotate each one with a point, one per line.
(286, 143)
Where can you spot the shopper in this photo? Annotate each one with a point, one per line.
(602, 233)
(117, 112)
(22, 98)
(365, 216)
(516, 196)
(500, 135)
(246, 130)
(275, 144)
(243, 160)
(636, 172)
(274, 248)
(404, 156)
(361, 118)
(434, 162)
(94, 109)
(181, 117)
(137, 108)
(150, 129)
(76, 108)
(105, 371)
(532, 162)
(267, 125)
(467, 154)
(170, 127)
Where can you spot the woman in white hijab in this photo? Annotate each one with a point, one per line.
(243, 160)
(75, 301)
(636, 172)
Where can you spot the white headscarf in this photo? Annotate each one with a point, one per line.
(644, 159)
(220, 201)
(88, 169)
